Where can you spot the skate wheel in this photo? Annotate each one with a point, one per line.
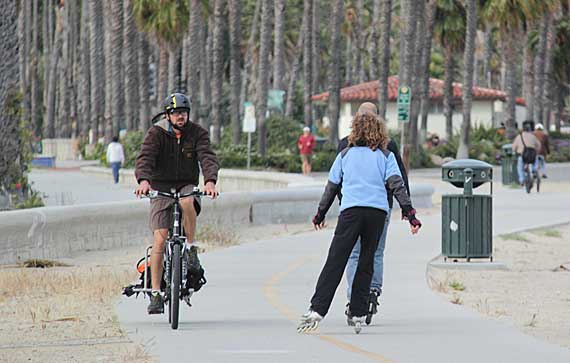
(357, 327)
(368, 319)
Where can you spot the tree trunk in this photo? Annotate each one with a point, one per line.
(131, 51)
(358, 37)
(118, 102)
(373, 44)
(235, 67)
(247, 69)
(163, 64)
(205, 74)
(539, 65)
(36, 105)
(468, 62)
(62, 119)
(548, 77)
(510, 81)
(24, 39)
(218, 65)
(108, 113)
(487, 54)
(528, 81)
(144, 83)
(193, 72)
(294, 75)
(279, 46)
(426, 55)
(417, 72)
(448, 92)
(173, 71)
(348, 64)
(334, 70)
(49, 127)
(96, 56)
(9, 76)
(265, 35)
(384, 64)
(307, 63)
(315, 54)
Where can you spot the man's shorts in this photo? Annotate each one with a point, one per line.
(161, 209)
(306, 158)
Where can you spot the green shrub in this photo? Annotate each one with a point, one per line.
(131, 145)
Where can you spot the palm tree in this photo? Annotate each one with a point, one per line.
(96, 57)
(217, 74)
(315, 52)
(418, 72)
(118, 103)
(235, 67)
(539, 67)
(468, 62)
(193, 72)
(131, 79)
(294, 74)
(425, 71)
(166, 21)
(307, 64)
(261, 107)
(248, 59)
(450, 31)
(9, 74)
(279, 46)
(384, 64)
(334, 70)
(34, 68)
(373, 44)
(144, 83)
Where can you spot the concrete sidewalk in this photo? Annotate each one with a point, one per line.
(249, 309)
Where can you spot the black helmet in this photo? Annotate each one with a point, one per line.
(176, 101)
(528, 125)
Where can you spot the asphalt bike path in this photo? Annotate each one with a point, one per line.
(256, 292)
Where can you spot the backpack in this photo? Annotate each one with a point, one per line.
(528, 154)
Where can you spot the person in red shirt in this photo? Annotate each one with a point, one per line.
(306, 144)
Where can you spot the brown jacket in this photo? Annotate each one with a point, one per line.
(529, 141)
(168, 162)
(543, 138)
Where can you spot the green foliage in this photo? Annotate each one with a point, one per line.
(559, 135)
(167, 20)
(131, 146)
(420, 159)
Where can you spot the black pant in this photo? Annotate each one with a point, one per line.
(366, 223)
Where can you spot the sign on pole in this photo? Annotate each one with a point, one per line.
(404, 95)
(248, 117)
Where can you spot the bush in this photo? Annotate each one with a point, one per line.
(132, 145)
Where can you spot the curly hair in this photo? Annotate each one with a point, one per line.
(369, 130)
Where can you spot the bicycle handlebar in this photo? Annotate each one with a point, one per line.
(153, 194)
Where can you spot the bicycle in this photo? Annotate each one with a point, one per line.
(175, 284)
(530, 177)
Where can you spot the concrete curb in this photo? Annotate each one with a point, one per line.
(54, 232)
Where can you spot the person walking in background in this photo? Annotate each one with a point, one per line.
(544, 149)
(306, 144)
(115, 157)
(378, 275)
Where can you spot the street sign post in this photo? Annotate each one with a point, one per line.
(404, 95)
(248, 126)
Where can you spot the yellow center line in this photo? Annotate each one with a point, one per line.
(270, 292)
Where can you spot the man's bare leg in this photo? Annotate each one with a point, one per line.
(157, 256)
(189, 218)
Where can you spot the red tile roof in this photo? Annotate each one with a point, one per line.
(369, 92)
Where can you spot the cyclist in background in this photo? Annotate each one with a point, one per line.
(526, 146)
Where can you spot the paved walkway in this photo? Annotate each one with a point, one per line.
(256, 292)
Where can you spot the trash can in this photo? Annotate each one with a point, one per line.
(509, 171)
(467, 218)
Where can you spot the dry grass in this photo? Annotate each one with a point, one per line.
(217, 236)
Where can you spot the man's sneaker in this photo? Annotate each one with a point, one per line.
(192, 260)
(544, 176)
(309, 322)
(348, 315)
(156, 305)
(358, 321)
(373, 301)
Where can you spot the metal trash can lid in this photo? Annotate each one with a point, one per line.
(452, 172)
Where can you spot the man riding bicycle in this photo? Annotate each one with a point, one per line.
(526, 146)
(172, 153)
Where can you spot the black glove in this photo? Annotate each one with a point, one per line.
(409, 214)
(318, 218)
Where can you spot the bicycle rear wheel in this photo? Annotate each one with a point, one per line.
(174, 302)
(538, 181)
(527, 180)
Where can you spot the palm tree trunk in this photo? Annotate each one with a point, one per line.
(118, 102)
(528, 81)
(49, 127)
(539, 65)
(24, 39)
(307, 64)
(426, 60)
(279, 46)
(294, 76)
(315, 53)
(217, 75)
(235, 68)
(96, 56)
(384, 64)
(468, 62)
(144, 83)
(348, 64)
(63, 119)
(131, 50)
(247, 69)
(448, 92)
(417, 73)
(205, 75)
(48, 40)
(108, 113)
(358, 40)
(487, 54)
(373, 44)
(163, 60)
(510, 81)
(193, 87)
(36, 105)
(334, 70)
(173, 73)
(265, 34)
(9, 75)
(548, 77)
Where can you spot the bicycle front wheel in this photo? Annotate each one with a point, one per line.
(175, 287)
